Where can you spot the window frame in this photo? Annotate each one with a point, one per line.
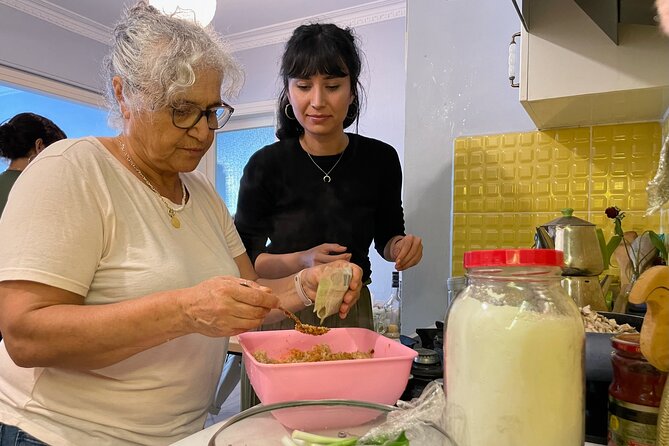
(24, 80)
(36, 84)
(246, 116)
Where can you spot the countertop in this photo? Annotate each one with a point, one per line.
(202, 438)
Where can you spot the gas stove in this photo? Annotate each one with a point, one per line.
(428, 365)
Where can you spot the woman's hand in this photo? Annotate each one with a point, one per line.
(323, 253)
(227, 306)
(312, 276)
(406, 251)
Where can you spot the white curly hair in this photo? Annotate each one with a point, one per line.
(157, 57)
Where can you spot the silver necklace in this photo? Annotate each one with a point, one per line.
(172, 212)
(326, 177)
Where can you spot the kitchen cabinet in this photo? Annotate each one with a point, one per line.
(573, 74)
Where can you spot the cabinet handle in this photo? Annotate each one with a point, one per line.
(512, 61)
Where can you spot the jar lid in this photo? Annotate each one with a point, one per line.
(513, 257)
(626, 342)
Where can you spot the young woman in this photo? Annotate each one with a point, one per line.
(321, 194)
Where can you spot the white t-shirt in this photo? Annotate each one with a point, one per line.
(79, 220)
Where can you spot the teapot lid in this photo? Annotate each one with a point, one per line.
(568, 220)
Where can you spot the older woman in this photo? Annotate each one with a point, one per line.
(120, 279)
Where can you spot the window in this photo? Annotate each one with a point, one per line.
(74, 118)
(233, 150)
(250, 128)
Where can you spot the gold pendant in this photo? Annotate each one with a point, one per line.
(175, 222)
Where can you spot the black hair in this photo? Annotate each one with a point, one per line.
(320, 48)
(18, 135)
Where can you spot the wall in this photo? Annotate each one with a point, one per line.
(457, 85)
(506, 185)
(36, 46)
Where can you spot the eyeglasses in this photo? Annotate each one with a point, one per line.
(187, 116)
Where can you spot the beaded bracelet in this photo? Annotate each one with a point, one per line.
(300, 290)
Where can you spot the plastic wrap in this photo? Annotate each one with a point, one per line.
(658, 187)
(429, 409)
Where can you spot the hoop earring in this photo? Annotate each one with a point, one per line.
(352, 111)
(285, 112)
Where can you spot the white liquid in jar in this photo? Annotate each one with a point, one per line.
(516, 377)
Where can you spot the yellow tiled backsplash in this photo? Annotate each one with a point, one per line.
(505, 185)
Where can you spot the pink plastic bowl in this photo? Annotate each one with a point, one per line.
(380, 379)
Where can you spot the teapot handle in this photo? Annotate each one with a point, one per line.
(543, 239)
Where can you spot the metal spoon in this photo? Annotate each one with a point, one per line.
(305, 328)
(299, 326)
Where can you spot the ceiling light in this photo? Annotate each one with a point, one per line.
(201, 11)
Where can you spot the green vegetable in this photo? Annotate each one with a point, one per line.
(314, 439)
(346, 442)
(320, 439)
(401, 440)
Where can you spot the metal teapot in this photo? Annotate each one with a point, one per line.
(577, 239)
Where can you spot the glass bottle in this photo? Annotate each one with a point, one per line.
(634, 394)
(514, 353)
(392, 309)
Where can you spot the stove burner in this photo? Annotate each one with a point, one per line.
(426, 356)
(427, 366)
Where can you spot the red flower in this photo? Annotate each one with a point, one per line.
(612, 212)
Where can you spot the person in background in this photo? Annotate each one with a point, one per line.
(121, 272)
(22, 138)
(321, 194)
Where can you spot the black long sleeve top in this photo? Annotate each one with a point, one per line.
(284, 200)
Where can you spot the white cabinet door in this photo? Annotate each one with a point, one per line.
(573, 74)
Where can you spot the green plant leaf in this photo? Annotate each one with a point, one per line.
(658, 243)
(610, 247)
(618, 226)
(602, 246)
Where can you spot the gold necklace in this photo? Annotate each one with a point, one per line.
(326, 177)
(172, 212)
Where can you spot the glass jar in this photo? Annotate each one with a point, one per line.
(454, 285)
(634, 394)
(514, 353)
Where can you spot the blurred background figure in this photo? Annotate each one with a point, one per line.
(22, 138)
(663, 12)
